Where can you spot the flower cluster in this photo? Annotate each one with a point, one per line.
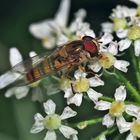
(126, 25)
(95, 59)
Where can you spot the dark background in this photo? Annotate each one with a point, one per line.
(16, 116)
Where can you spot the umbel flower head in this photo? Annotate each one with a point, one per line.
(80, 86)
(115, 108)
(55, 31)
(53, 121)
(126, 25)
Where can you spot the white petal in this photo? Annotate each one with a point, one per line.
(49, 107)
(137, 47)
(121, 65)
(76, 99)
(32, 54)
(68, 113)
(78, 74)
(8, 78)
(102, 137)
(50, 135)
(124, 44)
(106, 38)
(62, 14)
(123, 126)
(74, 137)
(67, 131)
(121, 33)
(136, 1)
(95, 81)
(44, 29)
(96, 67)
(113, 48)
(90, 32)
(81, 13)
(102, 105)
(37, 127)
(38, 117)
(93, 95)
(120, 93)
(133, 110)
(108, 120)
(68, 93)
(19, 92)
(131, 137)
(107, 27)
(50, 42)
(15, 56)
(62, 39)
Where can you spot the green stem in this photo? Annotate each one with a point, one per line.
(104, 98)
(106, 132)
(128, 85)
(83, 124)
(136, 66)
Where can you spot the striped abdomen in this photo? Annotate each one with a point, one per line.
(38, 72)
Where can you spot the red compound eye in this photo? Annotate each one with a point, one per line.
(89, 45)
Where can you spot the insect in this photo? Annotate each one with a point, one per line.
(63, 58)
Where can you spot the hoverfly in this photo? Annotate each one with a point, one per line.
(68, 55)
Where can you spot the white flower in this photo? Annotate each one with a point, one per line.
(106, 58)
(49, 30)
(133, 127)
(53, 121)
(116, 108)
(123, 11)
(15, 75)
(55, 31)
(79, 27)
(126, 25)
(80, 86)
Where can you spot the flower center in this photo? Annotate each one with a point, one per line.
(134, 33)
(119, 23)
(81, 85)
(135, 128)
(117, 108)
(52, 122)
(107, 60)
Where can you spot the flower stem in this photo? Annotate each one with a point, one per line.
(106, 132)
(83, 124)
(104, 98)
(126, 82)
(128, 85)
(136, 65)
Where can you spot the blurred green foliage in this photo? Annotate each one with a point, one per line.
(16, 116)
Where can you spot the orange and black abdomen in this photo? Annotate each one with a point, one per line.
(40, 71)
(34, 75)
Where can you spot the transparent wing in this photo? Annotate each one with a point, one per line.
(25, 66)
